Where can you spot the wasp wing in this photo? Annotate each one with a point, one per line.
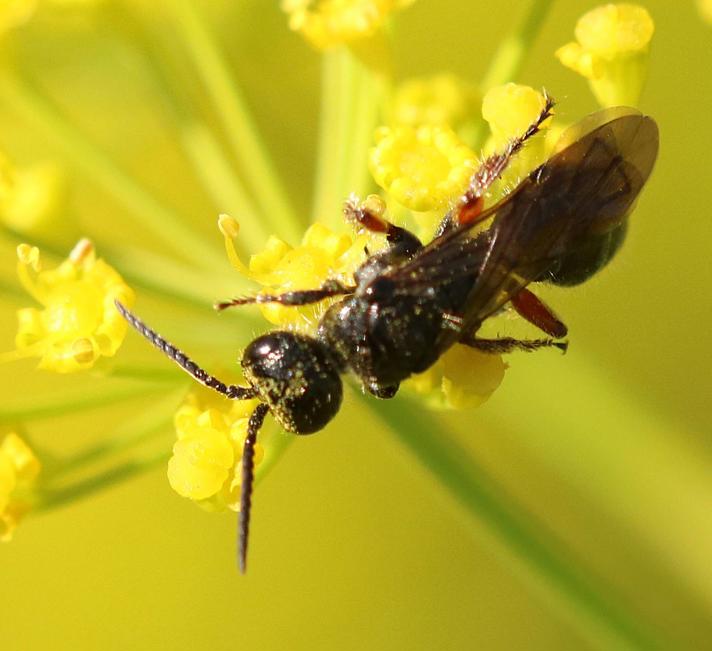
(585, 189)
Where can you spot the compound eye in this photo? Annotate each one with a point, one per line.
(297, 377)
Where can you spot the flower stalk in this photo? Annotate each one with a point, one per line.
(352, 98)
(230, 104)
(508, 59)
(96, 164)
(525, 544)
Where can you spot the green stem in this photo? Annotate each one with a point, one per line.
(525, 543)
(105, 172)
(164, 373)
(64, 403)
(278, 444)
(169, 278)
(140, 268)
(352, 98)
(12, 293)
(507, 62)
(221, 182)
(137, 431)
(52, 499)
(200, 144)
(241, 131)
(330, 118)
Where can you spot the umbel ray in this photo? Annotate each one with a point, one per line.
(411, 302)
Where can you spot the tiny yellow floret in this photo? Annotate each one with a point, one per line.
(280, 267)
(463, 377)
(33, 199)
(422, 168)
(78, 322)
(611, 51)
(444, 100)
(328, 23)
(19, 468)
(509, 110)
(705, 9)
(206, 462)
(15, 12)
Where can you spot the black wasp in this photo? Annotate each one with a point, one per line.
(411, 302)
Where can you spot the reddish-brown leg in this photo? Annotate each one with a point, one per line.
(470, 210)
(530, 307)
(366, 215)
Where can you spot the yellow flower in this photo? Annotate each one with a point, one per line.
(19, 468)
(326, 23)
(444, 100)
(206, 462)
(611, 51)
(280, 267)
(33, 199)
(465, 377)
(705, 9)
(15, 12)
(509, 110)
(422, 168)
(79, 322)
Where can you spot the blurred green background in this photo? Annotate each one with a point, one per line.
(354, 544)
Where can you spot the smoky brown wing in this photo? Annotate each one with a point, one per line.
(584, 190)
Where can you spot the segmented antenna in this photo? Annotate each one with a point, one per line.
(248, 477)
(231, 391)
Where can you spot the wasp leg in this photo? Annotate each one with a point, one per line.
(248, 478)
(529, 306)
(508, 344)
(301, 297)
(366, 215)
(472, 202)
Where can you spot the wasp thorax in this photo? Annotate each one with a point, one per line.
(297, 377)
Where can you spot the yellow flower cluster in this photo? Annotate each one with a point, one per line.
(423, 168)
(79, 322)
(280, 267)
(509, 110)
(15, 12)
(611, 51)
(206, 462)
(19, 468)
(327, 23)
(460, 379)
(32, 199)
(427, 168)
(444, 100)
(705, 9)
